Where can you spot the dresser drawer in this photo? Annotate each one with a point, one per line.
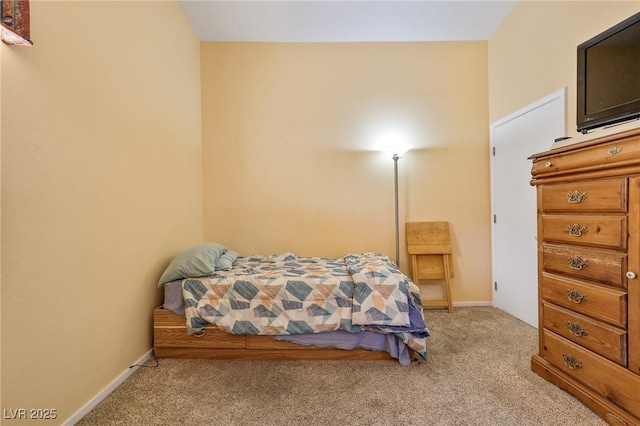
(605, 231)
(601, 157)
(597, 301)
(170, 331)
(211, 337)
(604, 266)
(614, 382)
(605, 340)
(605, 195)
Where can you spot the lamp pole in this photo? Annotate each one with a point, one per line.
(396, 151)
(396, 157)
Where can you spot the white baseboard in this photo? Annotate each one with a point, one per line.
(460, 305)
(471, 304)
(106, 391)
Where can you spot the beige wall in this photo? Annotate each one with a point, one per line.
(290, 139)
(103, 175)
(533, 53)
(101, 186)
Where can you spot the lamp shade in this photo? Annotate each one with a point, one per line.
(397, 150)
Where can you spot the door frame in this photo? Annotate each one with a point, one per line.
(558, 94)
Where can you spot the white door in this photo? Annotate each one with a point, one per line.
(513, 139)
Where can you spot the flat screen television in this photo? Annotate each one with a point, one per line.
(608, 89)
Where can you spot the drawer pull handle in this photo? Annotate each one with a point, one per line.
(576, 329)
(578, 263)
(571, 362)
(575, 296)
(576, 197)
(576, 230)
(547, 164)
(614, 420)
(615, 150)
(200, 333)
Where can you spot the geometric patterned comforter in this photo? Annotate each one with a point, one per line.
(286, 294)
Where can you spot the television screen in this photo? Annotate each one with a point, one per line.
(609, 76)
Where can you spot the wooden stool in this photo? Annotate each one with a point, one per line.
(429, 244)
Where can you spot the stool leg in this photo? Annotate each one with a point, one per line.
(414, 273)
(447, 285)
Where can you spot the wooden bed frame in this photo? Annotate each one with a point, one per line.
(170, 340)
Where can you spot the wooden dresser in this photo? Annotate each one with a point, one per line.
(588, 272)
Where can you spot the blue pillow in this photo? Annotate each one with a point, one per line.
(198, 261)
(225, 261)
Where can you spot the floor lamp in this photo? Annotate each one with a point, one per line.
(396, 152)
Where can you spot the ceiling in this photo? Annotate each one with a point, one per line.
(345, 21)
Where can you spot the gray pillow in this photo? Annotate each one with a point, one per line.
(198, 261)
(225, 261)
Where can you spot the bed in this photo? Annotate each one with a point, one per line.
(219, 304)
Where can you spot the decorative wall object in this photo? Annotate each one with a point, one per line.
(15, 22)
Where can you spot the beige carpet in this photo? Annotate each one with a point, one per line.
(478, 373)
